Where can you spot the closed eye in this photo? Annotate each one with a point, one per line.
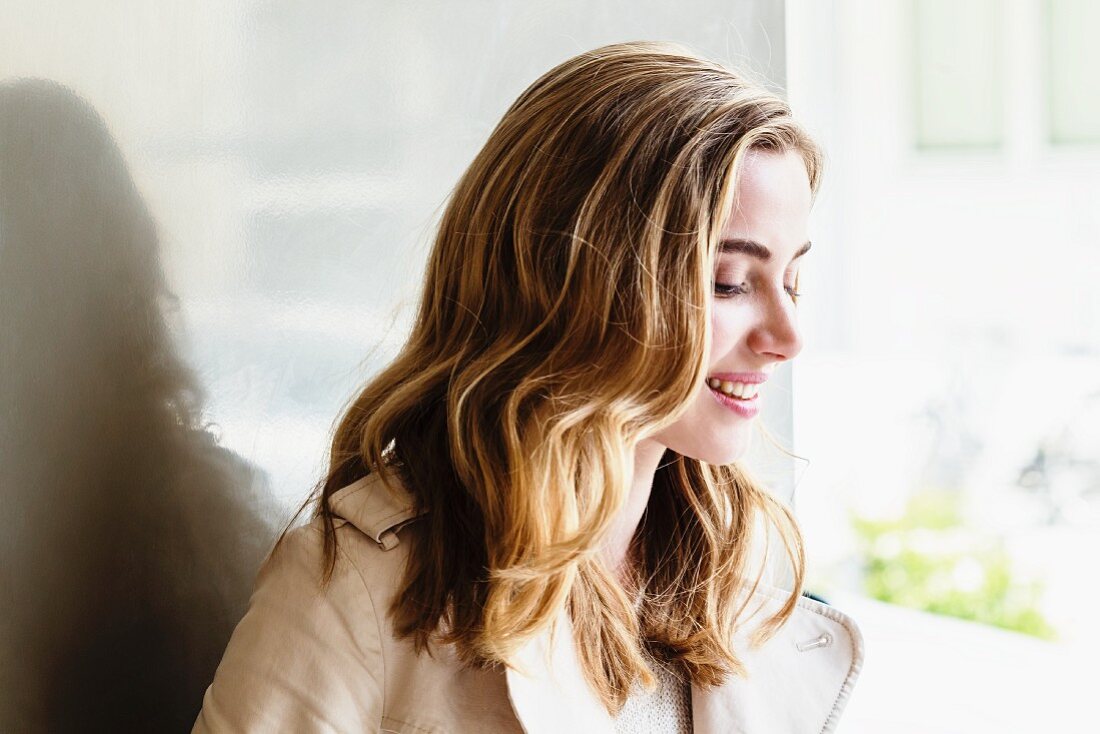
(740, 289)
(729, 290)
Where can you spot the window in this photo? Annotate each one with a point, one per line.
(1073, 71)
(959, 80)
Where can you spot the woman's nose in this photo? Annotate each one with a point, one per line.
(777, 334)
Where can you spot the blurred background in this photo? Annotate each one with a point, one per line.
(213, 220)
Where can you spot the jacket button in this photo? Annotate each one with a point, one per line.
(820, 641)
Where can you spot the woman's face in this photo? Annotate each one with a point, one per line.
(754, 318)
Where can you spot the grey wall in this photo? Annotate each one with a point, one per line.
(212, 218)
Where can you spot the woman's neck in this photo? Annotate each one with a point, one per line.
(647, 456)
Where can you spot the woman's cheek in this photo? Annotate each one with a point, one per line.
(726, 327)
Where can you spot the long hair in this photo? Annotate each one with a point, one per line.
(565, 316)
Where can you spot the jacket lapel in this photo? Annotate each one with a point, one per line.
(550, 694)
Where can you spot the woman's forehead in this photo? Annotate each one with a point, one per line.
(771, 205)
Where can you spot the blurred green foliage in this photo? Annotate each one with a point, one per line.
(928, 559)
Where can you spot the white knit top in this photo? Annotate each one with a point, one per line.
(664, 710)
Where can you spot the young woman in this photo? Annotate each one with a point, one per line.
(534, 519)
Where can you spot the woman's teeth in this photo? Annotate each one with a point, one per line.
(743, 390)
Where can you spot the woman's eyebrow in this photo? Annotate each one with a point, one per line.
(755, 249)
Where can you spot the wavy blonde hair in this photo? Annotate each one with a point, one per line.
(565, 316)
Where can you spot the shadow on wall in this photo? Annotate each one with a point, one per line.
(129, 539)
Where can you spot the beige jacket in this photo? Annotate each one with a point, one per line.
(305, 661)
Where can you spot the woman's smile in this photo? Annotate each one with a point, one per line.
(738, 391)
(746, 407)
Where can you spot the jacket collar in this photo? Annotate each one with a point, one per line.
(798, 681)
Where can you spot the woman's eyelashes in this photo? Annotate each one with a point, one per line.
(727, 290)
(721, 289)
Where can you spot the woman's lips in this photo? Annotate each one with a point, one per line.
(744, 408)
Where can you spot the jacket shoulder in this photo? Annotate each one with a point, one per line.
(379, 508)
(819, 645)
(305, 657)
